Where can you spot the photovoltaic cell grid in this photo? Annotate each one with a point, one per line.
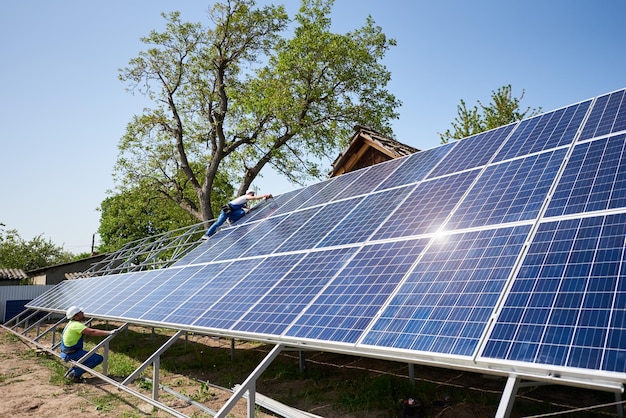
(446, 301)
(594, 178)
(568, 302)
(420, 254)
(547, 131)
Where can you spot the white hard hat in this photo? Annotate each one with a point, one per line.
(72, 310)
(250, 191)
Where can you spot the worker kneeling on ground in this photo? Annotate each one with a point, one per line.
(72, 342)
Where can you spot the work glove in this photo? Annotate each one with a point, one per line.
(114, 331)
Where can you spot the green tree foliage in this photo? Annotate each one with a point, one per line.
(503, 109)
(237, 96)
(139, 212)
(37, 253)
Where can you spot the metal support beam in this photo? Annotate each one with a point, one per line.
(151, 359)
(620, 405)
(412, 373)
(249, 385)
(508, 397)
(301, 361)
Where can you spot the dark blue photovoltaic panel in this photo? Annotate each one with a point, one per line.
(607, 116)
(109, 294)
(427, 207)
(136, 288)
(509, 192)
(62, 296)
(287, 225)
(567, 305)
(550, 130)
(144, 308)
(226, 237)
(268, 207)
(446, 301)
(415, 167)
(369, 182)
(594, 178)
(216, 286)
(263, 233)
(366, 217)
(281, 306)
(245, 294)
(472, 152)
(318, 226)
(300, 198)
(334, 189)
(181, 287)
(346, 307)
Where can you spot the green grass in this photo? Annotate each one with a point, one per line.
(357, 391)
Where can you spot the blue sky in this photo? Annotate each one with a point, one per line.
(63, 109)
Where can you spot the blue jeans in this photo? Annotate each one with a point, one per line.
(233, 216)
(91, 362)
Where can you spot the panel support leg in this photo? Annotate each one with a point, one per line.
(620, 405)
(412, 373)
(508, 397)
(249, 385)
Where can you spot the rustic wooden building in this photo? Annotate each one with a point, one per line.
(366, 148)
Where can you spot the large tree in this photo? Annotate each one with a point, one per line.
(131, 214)
(503, 109)
(239, 96)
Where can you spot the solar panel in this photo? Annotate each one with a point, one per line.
(504, 251)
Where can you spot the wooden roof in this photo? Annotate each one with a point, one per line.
(368, 147)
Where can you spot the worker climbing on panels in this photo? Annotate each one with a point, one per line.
(72, 342)
(234, 210)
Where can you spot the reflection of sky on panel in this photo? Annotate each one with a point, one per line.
(115, 287)
(62, 296)
(427, 207)
(270, 206)
(365, 218)
(245, 294)
(216, 286)
(346, 307)
(230, 236)
(187, 286)
(319, 225)
(415, 167)
(334, 189)
(607, 116)
(375, 175)
(544, 132)
(135, 290)
(287, 225)
(169, 280)
(508, 192)
(303, 196)
(283, 303)
(594, 178)
(446, 301)
(258, 234)
(207, 250)
(567, 305)
(472, 152)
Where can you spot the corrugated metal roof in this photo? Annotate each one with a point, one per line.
(12, 274)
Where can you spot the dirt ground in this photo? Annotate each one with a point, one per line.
(31, 387)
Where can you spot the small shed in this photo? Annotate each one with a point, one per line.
(366, 148)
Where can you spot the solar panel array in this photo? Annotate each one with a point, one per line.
(506, 248)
